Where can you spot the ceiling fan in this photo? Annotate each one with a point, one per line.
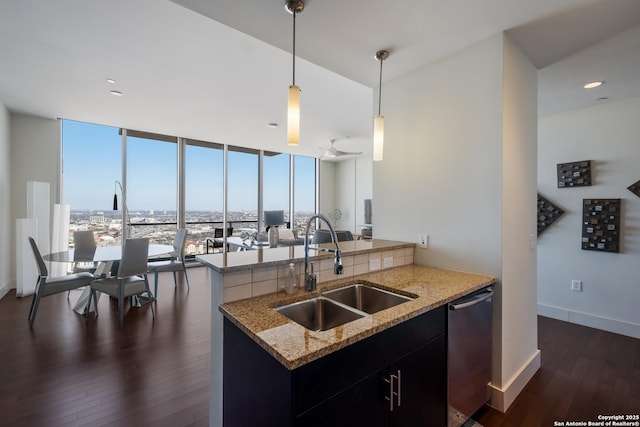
(333, 152)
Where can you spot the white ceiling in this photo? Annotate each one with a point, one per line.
(219, 70)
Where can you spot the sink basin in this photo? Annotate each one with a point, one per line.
(366, 298)
(319, 314)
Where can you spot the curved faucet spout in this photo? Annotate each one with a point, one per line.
(310, 277)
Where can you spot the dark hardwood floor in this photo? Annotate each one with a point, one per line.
(69, 371)
(585, 373)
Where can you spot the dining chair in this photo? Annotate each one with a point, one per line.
(322, 235)
(288, 237)
(286, 234)
(130, 280)
(48, 286)
(84, 245)
(175, 264)
(218, 233)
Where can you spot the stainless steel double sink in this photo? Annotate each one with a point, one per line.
(339, 306)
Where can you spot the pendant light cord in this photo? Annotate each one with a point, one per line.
(294, 47)
(380, 87)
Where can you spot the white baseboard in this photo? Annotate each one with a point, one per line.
(502, 398)
(5, 288)
(585, 319)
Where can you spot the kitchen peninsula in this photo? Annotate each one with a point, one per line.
(240, 294)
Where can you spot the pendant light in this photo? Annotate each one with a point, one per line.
(293, 109)
(378, 122)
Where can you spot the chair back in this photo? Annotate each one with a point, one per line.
(218, 232)
(179, 242)
(134, 257)
(286, 234)
(322, 235)
(42, 267)
(83, 240)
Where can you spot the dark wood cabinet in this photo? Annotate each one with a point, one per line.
(423, 385)
(361, 404)
(409, 392)
(350, 387)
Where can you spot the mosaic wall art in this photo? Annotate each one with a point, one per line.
(547, 213)
(574, 174)
(601, 224)
(635, 188)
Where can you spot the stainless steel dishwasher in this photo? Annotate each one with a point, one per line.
(469, 351)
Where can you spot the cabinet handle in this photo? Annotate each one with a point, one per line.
(390, 381)
(399, 388)
(397, 379)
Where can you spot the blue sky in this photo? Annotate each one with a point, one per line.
(92, 159)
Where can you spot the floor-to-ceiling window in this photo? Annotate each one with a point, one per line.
(158, 199)
(276, 177)
(304, 194)
(242, 189)
(204, 194)
(91, 165)
(152, 186)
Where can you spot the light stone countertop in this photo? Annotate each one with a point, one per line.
(293, 345)
(246, 260)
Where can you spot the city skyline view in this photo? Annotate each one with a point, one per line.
(92, 157)
(160, 228)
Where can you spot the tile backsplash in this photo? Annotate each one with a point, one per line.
(265, 280)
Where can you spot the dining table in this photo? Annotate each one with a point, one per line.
(103, 253)
(107, 257)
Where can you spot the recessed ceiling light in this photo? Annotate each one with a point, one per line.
(592, 85)
(115, 93)
(272, 125)
(111, 81)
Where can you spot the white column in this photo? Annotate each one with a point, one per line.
(60, 237)
(26, 267)
(38, 207)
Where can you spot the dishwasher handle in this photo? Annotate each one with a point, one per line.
(488, 294)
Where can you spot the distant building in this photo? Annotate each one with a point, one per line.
(96, 219)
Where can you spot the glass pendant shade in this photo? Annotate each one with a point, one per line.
(378, 138)
(293, 116)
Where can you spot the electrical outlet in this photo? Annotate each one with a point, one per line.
(423, 240)
(576, 285)
(387, 262)
(374, 264)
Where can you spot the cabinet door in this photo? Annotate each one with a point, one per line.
(360, 405)
(423, 386)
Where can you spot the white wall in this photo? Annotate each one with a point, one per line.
(5, 203)
(35, 156)
(442, 168)
(364, 188)
(345, 191)
(608, 134)
(460, 139)
(518, 312)
(327, 187)
(353, 185)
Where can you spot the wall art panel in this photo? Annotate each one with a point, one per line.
(574, 174)
(548, 212)
(635, 188)
(601, 224)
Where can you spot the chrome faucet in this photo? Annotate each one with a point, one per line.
(310, 280)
